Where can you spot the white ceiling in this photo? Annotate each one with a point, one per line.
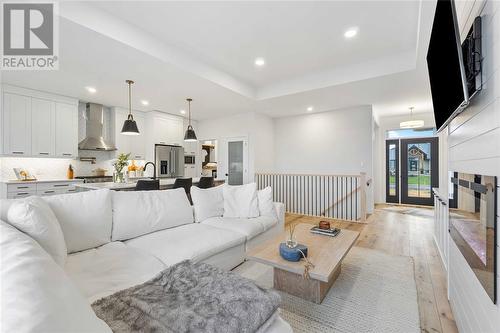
(295, 38)
(206, 50)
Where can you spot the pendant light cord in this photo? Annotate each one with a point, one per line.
(129, 82)
(189, 100)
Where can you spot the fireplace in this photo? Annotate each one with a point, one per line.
(473, 225)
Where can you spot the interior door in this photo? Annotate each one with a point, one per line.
(392, 171)
(419, 170)
(237, 164)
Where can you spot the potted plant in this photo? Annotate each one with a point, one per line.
(120, 163)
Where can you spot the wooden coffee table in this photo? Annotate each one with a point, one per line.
(325, 252)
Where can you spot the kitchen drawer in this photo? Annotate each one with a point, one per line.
(55, 186)
(20, 194)
(55, 191)
(19, 187)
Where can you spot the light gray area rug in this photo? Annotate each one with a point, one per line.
(375, 292)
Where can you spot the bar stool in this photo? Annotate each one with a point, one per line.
(206, 182)
(147, 185)
(186, 184)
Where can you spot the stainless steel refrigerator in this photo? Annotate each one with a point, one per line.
(169, 161)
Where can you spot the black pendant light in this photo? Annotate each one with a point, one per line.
(190, 134)
(130, 126)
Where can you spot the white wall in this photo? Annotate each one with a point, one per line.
(474, 147)
(335, 142)
(259, 132)
(385, 124)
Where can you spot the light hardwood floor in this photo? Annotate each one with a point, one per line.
(407, 235)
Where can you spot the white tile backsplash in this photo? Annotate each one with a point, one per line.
(56, 168)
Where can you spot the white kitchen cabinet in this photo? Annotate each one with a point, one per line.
(66, 126)
(190, 148)
(38, 124)
(166, 129)
(138, 142)
(43, 134)
(133, 144)
(15, 190)
(175, 132)
(160, 130)
(16, 125)
(190, 171)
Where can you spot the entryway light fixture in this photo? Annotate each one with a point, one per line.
(411, 123)
(190, 134)
(130, 126)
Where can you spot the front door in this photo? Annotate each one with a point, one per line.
(419, 170)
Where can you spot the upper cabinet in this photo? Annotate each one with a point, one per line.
(66, 130)
(16, 124)
(43, 133)
(166, 129)
(38, 124)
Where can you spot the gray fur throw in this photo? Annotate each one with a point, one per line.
(189, 297)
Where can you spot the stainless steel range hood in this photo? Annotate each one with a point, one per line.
(94, 124)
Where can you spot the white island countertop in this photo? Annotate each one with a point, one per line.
(164, 182)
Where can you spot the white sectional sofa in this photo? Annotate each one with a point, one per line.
(116, 240)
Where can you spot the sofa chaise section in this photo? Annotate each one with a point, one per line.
(193, 241)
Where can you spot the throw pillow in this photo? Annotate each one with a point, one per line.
(207, 202)
(34, 217)
(266, 204)
(241, 201)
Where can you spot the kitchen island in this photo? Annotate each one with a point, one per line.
(165, 183)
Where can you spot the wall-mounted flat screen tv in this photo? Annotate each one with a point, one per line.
(445, 65)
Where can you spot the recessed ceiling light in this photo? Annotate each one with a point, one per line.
(351, 32)
(182, 111)
(259, 62)
(310, 108)
(144, 102)
(91, 90)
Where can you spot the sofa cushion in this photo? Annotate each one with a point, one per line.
(266, 204)
(85, 218)
(240, 201)
(137, 213)
(207, 202)
(34, 217)
(37, 296)
(193, 241)
(266, 221)
(4, 208)
(248, 227)
(112, 267)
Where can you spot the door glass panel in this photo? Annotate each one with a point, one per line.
(419, 170)
(235, 162)
(392, 169)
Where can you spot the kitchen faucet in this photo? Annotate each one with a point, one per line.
(154, 168)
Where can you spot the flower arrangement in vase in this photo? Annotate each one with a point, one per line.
(120, 163)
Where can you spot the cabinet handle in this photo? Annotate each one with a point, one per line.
(43, 153)
(22, 193)
(18, 152)
(137, 156)
(20, 187)
(67, 154)
(61, 185)
(72, 190)
(48, 192)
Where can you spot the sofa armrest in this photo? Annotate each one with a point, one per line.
(280, 212)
